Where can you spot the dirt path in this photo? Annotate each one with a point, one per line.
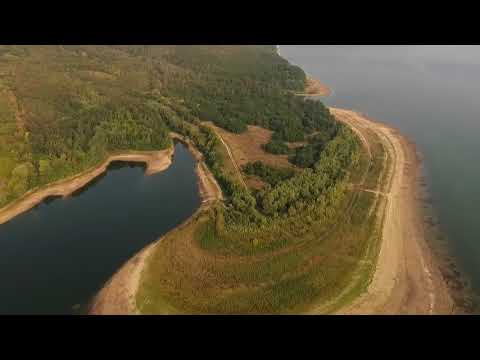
(406, 280)
(237, 168)
(156, 161)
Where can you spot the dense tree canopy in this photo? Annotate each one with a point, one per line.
(64, 108)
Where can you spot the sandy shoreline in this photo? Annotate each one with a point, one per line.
(407, 279)
(315, 88)
(156, 161)
(117, 297)
(207, 185)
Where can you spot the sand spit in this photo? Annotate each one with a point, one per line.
(117, 297)
(315, 88)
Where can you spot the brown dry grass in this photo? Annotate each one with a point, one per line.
(254, 183)
(247, 147)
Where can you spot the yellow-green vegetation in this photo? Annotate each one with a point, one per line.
(10, 141)
(318, 255)
(379, 164)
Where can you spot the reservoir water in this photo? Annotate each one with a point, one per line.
(432, 95)
(55, 257)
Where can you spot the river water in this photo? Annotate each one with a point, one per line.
(55, 257)
(432, 95)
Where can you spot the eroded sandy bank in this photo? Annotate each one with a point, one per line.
(156, 161)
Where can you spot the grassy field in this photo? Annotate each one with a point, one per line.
(247, 147)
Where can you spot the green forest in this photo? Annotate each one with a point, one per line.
(64, 109)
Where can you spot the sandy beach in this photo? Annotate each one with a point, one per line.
(407, 279)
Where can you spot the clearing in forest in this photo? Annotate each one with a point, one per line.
(247, 147)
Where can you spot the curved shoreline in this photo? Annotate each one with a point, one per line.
(315, 88)
(407, 279)
(156, 161)
(414, 283)
(117, 296)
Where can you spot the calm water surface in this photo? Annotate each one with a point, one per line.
(432, 94)
(55, 257)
